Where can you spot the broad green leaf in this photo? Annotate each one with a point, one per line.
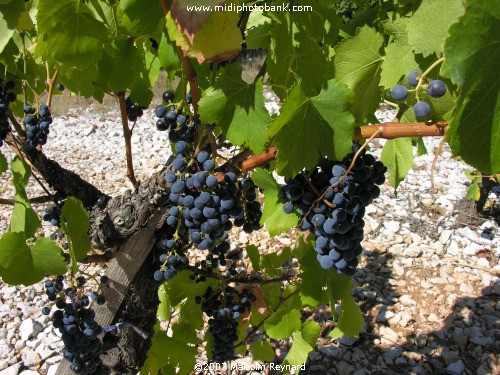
(398, 62)
(9, 21)
(272, 263)
(272, 297)
(397, 155)
(310, 127)
(299, 351)
(283, 323)
(339, 287)
(181, 287)
(472, 59)
(396, 27)
(428, 26)
(357, 64)
(16, 261)
(75, 224)
(24, 218)
(254, 256)
(350, 320)
(310, 332)
(142, 17)
(258, 32)
(120, 65)
(167, 53)
(47, 257)
(3, 163)
(273, 215)
(311, 289)
(164, 306)
(262, 351)
(72, 34)
(473, 191)
(190, 15)
(238, 108)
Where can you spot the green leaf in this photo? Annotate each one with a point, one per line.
(71, 33)
(262, 351)
(428, 26)
(9, 20)
(238, 108)
(273, 215)
(310, 127)
(272, 263)
(398, 62)
(310, 332)
(311, 288)
(472, 51)
(181, 287)
(350, 320)
(283, 323)
(357, 64)
(16, 261)
(258, 32)
(75, 224)
(299, 351)
(164, 306)
(167, 53)
(397, 155)
(3, 163)
(254, 256)
(473, 190)
(142, 17)
(47, 257)
(24, 218)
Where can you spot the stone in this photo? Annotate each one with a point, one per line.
(30, 358)
(406, 300)
(449, 356)
(52, 370)
(348, 340)
(29, 328)
(445, 236)
(29, 372)
(392, 353)
(457, 367)
(388, 336)
(392, 226)
(344, 368)
(12, 370)
(383, 316)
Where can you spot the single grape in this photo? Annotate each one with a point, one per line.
(399, 92)
(168, 96)
(421, 110)
(436, 88)
(413, 78)
(60, 87)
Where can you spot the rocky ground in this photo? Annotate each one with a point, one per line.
(427, 281)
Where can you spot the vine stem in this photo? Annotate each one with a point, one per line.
(388, 130)
(434, 162)
(52, 82)
(424, 74)
(127, 134)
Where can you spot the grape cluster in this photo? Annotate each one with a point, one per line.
(134, 111)
(37, 124)
(223, 310)
(6, 97)
(75, 321)
(337, 219)
(52, 214)
(421, 109)
(181, 127)
(203, 206)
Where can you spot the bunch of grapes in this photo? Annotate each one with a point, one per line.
(134, 111)
(223, 309)
(421, 109)
(6, 97)
(37, 124)
(75, 321)
(181, 127)
(52, 214)
(203, 204)
(336, 220)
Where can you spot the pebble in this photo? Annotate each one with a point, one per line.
(29, 329)
(383, 316)
(457, 367)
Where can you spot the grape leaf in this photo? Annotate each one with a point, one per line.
(181, 286)
(3, 163)
(254, 256)
(75, 224)
(16, 261)
(142, 17)
(299, 351)
(397, 155)
(310, 332)
(164, 306)
(238, 109)
(397, 27)
(310, 127)
(350, 320)
(258, 31)
(428, 26)
(283, 323)
(71, 33)
(472, 56)
(273, 216)
(191, 21)
(272, 263)
(473, 190)
(167, 53)
(398, 62)
(357, 64)
(9, 18)
(24, 218)
(47, 257)
(262, 351)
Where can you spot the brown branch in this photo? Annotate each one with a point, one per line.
(434, 162)
(52, 82)
(40, 199)
(388, 130)
(127, 134)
